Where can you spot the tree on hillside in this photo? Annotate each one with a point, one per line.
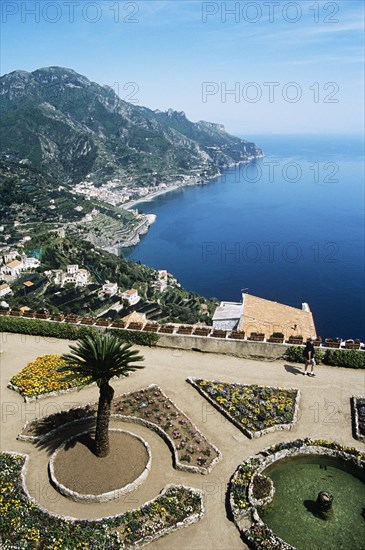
(101, 357)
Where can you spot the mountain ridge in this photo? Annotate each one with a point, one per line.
(70, 127)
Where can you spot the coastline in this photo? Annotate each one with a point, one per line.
(142, 229)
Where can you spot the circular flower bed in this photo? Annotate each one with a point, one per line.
(129, 451)
(255, 410)
(40, 378)
(150, 407)
(23, 524)
(243, 485)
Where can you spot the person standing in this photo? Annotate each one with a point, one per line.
(309, 353)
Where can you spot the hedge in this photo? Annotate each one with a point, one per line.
(353, 359)
(136, 337)
(36, 327)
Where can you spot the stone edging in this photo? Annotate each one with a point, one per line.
(354, 403)
(250, 434)
(179, 525)
(45, 395)
(103, 497)
(266, 458)
(263, 501)
(146, 423)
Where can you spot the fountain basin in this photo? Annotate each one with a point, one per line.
(290, 516)
(295, 515)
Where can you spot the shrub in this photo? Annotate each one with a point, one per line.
(36, 327)
(354, 359)
(135, 337)
(295, 354)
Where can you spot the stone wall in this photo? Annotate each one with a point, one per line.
(238, 348)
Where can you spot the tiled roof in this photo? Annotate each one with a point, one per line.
(134, 317)
(260, 315)
(14, 263)
(228, 310)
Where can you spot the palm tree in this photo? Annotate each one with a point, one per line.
(101, 357)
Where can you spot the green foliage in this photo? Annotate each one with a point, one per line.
(136, 337)
(38, 327)
(100, 356)
(295, 354)
(354, 359)
(60, 111)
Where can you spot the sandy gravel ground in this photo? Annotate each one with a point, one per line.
(324, 413)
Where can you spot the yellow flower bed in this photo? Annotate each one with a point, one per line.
(41, 376)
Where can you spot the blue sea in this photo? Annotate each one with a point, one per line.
(288, 228)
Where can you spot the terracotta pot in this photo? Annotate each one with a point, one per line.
(237, 335)
(151, 328)
(352, 345)
(201, 332)
(330, 344)
(256, 338)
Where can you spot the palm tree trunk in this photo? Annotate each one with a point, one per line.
(102, 420)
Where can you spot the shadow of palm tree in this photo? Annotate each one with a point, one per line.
(293, 370)
(51, 440)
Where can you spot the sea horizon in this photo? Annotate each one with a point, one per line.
(288, 227)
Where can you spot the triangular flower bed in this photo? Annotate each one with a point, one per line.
(255, 410)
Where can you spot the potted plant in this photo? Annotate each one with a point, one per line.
(237, 335)
(276, 338)
(42, 314)
(151, 327)
(58, 317)
(102, 323)
(72, 318)
(257, 336)
(317, 341)
(135, 326)
(15, 312)
(296, 339)
(202, 331)
(29, 314)
(118, 324)
(167, 329)
(87, 321)
(352, 344)
(4, 311)
(332, 342)
(185, 329)
(218, 333)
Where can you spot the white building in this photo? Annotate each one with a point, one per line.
(31, 263)
(110, 288)
(227, 315)
(74, 275)
(4, 290)
(72, 269)
(131, 296)
(161, 284)
(13, 268)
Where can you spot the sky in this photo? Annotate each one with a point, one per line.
(274, 67)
